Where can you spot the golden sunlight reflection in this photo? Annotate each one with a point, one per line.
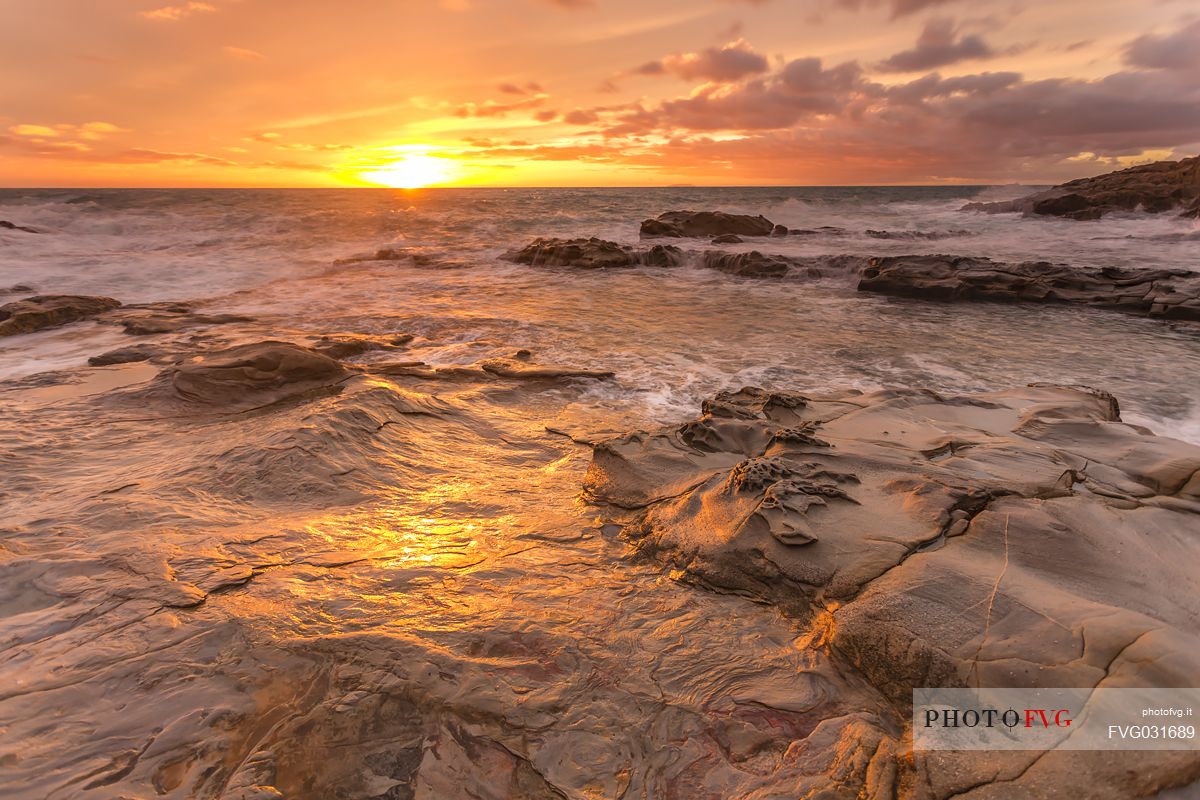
(412, 171)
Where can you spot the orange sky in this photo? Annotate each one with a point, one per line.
(590, 92)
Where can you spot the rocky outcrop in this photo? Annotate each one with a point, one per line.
(1154, 188)
(683, 224)
(254, 375)
(592, 253)
(148, 319)
(50, 311)
(753, 264)
(1169, 294)
(1025, 538)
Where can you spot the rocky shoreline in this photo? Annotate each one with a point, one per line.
(319, 558)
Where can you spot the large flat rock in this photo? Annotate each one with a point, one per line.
(1165, 293)
(1025, 538)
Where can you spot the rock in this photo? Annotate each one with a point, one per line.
(349, 345)
(753, 264)
(779, 230)
(1165, 293)
(1153, 188)
(918, 235)
(10, 226)
(255, 374)
(1025, 538)
(124, 355)
(18, 288)
(728, 238)
(680, 224)
(50, 311)
(148, 319)
(591, 253)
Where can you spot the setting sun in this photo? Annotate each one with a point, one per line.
(412, 172)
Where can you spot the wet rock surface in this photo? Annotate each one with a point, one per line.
(591, 253)
(254, 374)
(1155, 188)
(686, 224)
(1020, 538)
(50, 311)
(1169, 294)
(752, 264)
(149, 319)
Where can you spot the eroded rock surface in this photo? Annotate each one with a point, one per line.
(1021, 538)
(50, 311)
(1155, 188)
(1170, 294)
(148, 319)
(254, 374)
(684, 224)
(591, 253)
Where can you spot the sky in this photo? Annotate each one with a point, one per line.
(409, 93)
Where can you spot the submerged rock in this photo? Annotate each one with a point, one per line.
(682, 224)
(1021, 539)
(728, 238)
(1170, 294)
(255, 374)
(50, 311)
(592, 253)
(12, 226)
(1154, 188)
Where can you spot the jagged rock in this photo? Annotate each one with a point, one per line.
(254, 374)
(12, 226)
(1025, 538)
(50, 311)
(681, 224)
(1154, 188)
(1170, 294)
(728, 238)
(592, 253)
(124, 355)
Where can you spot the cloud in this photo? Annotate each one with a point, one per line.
(33, 130)
(730, 62)
(573, 4)
(527, 89)
(493, 109)
(1177, 51)
(243, 54)
(177, 12)
(938, 45)
(91, 131)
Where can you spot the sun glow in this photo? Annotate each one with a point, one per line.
(413, 171)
